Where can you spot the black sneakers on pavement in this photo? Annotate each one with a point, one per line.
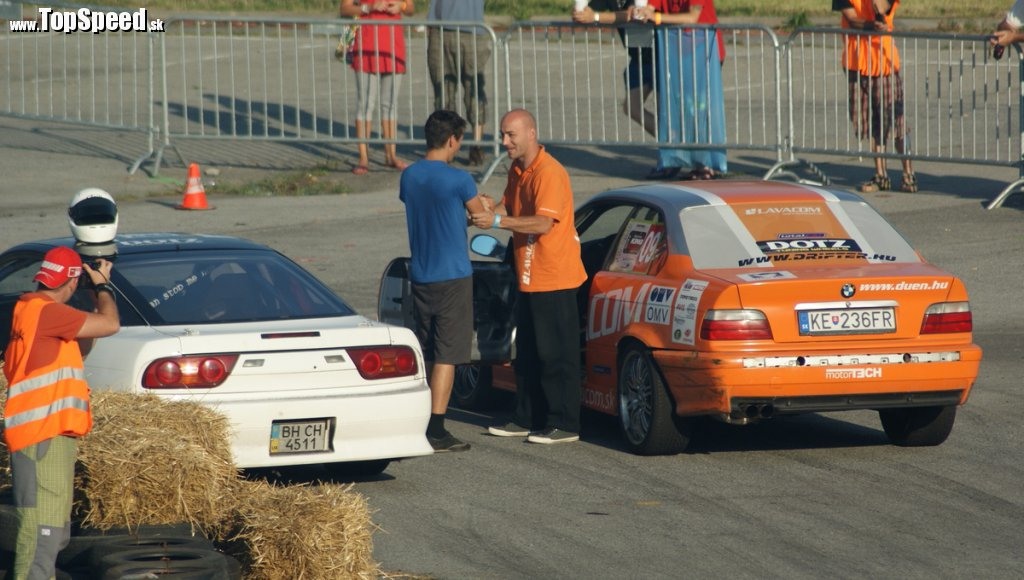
(552, 435)
(509, 429)
(447, 443)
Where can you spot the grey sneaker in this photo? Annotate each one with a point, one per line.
(447, 443)
(509, 429)
(553, 435)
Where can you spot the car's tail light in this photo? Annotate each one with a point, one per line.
(947, 317)
(735, 325)
(189, 372)
(384, 362)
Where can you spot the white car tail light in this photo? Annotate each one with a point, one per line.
(384, 362)
(947, 317)
(189, 372)
(735, 325)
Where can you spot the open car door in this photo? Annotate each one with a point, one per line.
(494, 293)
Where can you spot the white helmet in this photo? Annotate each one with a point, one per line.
(93, 216)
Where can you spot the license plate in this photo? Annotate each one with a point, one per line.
(305, 436)
(847, 321)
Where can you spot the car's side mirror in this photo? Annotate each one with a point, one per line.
(487, 246)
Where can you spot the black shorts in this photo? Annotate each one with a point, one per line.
(444, 320)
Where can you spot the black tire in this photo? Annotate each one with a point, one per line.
(918, 426)
(102, 549)
(357, 469)
(191, 563)
(473, 389)
(647, 416)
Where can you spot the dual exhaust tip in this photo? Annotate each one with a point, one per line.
(756, 410)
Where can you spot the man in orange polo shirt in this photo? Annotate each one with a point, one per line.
(48, 402)
(537, 207)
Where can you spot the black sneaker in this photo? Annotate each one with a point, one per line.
(447, 443)
(509, 429)
(553, 435)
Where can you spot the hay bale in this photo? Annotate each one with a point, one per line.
(150, 461)
(308, 531)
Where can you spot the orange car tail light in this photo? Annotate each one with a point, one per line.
(384, 362)
(189, 372)
(947, 317)
(735, 325)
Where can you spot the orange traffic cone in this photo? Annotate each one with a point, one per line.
(195, 195)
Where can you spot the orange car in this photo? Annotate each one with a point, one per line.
(741, 301)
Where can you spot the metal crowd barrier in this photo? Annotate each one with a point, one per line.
(100, 80)
(280, 80)
(277, 79)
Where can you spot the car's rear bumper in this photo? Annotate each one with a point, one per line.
(727, 383)
(381, 425)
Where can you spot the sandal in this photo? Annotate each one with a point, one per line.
(877, 183)
(909, 184)
(360, 170)
(663, 173)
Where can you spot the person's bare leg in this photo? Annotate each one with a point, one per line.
(388, 130)
(442, 377)
(363, 132)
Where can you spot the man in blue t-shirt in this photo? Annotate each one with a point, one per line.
(436, 198)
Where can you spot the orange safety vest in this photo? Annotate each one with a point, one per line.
(871, 54)
(48, 401)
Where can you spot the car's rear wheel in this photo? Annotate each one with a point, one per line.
(646, 413)
(473, 389)
(358, 469)
(918, 426)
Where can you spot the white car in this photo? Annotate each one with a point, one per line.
(301, 376)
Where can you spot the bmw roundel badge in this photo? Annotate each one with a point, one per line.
(847, 291)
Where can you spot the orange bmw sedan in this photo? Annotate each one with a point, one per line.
(742, 301)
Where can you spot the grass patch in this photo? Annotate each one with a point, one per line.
(320, 180)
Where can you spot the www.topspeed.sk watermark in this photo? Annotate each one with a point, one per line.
(88, 20)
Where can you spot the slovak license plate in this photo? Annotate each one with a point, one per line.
(305, 436)
(847, 321)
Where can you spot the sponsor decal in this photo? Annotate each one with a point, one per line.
(804, 245)
(684, 312)
(904, 286)
(659, 305)
(612, 311)
(601, 370)
(771, 275)
(783, 211)
(847, 374)
(800, 236)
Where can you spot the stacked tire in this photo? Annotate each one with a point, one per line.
(150, 551)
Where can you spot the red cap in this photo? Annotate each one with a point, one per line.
(59, 265)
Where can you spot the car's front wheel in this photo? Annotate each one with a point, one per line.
(646, 413)
(918, 426)
(473, 389)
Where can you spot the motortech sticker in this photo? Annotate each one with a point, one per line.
(684, 313)
(847, 374)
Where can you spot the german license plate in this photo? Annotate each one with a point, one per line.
(847, 321)
(305, 436)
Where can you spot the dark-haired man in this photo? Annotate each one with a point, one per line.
(436, 197)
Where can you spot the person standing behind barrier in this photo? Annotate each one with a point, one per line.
(457, 57)
(689, 74)
(378, 58)
(437, 197)
(872, 66)
(537, 207)
(1009, 29)
(639, 73)
(48, 405)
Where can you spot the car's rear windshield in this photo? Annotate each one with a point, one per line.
(791, 234)
(230, 286)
